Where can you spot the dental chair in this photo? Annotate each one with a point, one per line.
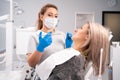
(90, 75)
(22, 37)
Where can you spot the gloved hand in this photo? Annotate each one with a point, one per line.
(68, 40)
(44, 42)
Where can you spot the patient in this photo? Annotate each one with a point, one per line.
(71, 63)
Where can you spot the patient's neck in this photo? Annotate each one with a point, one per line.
(77, 47)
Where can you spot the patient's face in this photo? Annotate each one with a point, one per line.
(81, 35)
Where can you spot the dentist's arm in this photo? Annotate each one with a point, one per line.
(44, 42)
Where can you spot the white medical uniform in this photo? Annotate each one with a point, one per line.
(58, 43)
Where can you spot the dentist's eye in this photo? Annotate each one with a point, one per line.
(56, 16)
(49, 15)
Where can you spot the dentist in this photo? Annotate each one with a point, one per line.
(47, 22)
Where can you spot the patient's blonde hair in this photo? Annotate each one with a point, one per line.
(99, 38)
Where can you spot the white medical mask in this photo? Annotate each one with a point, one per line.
(50, 22)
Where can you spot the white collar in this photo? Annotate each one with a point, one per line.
(43, 33)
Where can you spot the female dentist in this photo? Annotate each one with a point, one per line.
(47, 22)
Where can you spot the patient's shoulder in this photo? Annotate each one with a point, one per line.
(75, 63)
(73, 68)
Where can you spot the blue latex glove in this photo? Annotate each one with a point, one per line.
(44, 42)
(68, 40)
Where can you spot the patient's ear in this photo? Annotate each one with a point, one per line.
(87, 40)
(86, 37)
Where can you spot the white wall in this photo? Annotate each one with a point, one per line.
(67, 9)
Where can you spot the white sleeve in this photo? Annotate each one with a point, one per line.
(32, 44)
